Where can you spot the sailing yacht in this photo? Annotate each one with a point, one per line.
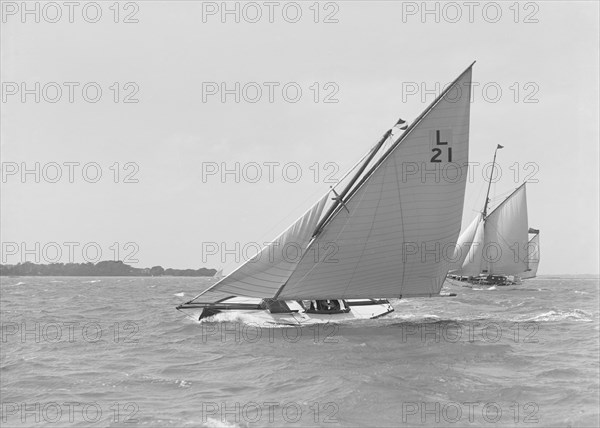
(369, 238)
(495, 248)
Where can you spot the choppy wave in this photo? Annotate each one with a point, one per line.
(14, 285)
(123, 342)
(561, 315)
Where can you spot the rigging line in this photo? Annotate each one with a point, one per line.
(340, 199)
(187, 315)
(504, 201)
(503, 195)
(475, 199)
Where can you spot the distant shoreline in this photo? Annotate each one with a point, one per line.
(113, 276)
(103, 268)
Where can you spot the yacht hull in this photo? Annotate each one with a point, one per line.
(478, 282)
(356, 310)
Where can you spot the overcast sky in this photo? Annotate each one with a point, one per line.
(358, 72)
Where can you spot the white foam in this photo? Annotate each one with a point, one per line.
(558, 315)
(215, 423)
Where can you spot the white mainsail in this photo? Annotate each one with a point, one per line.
(506, 236)
(389, 241)
(500, 243)
(387, 237)
(533, 257)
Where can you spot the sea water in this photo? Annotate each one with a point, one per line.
(113, 351)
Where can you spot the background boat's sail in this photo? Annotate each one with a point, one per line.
(506, 236)
(264, 274)
(472, 257)
(467, 245)
(389, 242)
(533, 259)
(499, 244)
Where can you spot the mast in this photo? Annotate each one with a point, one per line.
(339, 199)
(487, 196)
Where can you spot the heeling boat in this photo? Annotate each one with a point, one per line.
(365, 244)
(495, 248)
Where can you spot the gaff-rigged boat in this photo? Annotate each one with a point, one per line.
(495, 249)
(379, 237)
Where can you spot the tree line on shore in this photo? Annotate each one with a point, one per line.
(103, 268)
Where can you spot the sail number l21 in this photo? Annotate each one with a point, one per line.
(438, 152)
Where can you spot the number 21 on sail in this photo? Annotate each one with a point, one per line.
(441, 143)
